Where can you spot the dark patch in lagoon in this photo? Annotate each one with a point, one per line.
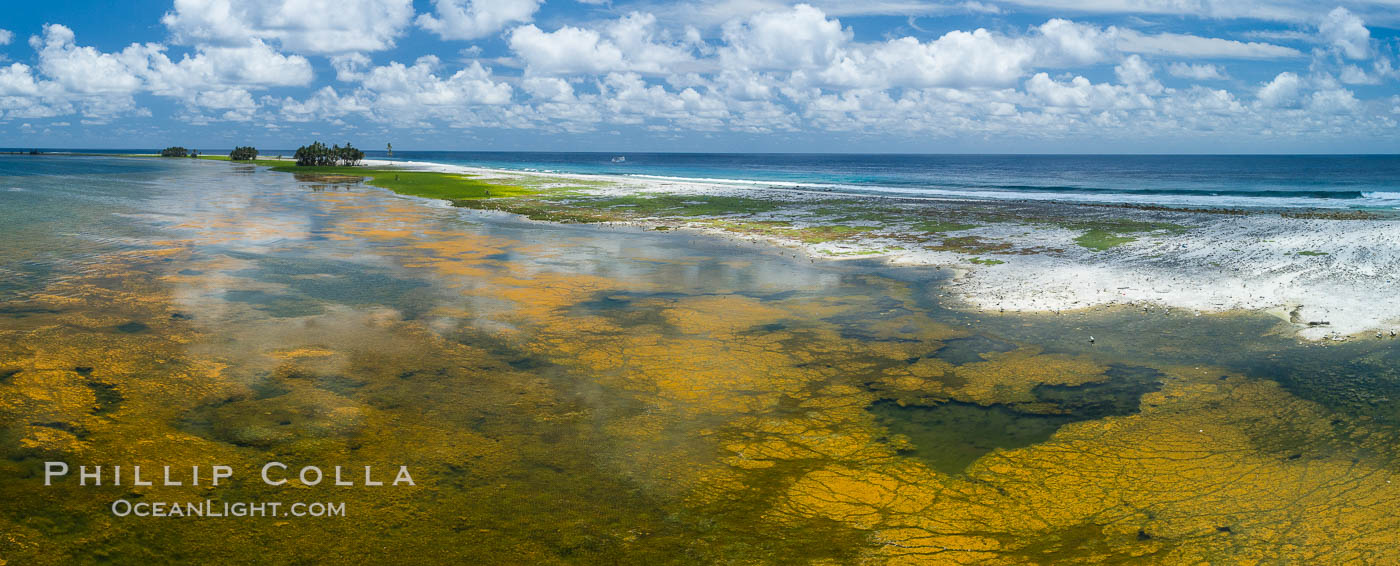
(22, 312)
(268, 388)
(281, 306)
(108, 398)
(76, 430)
(316, 281)
(1357, 378)
(630, 309)
(132, 327)
(952, 435)
(1119, 395)
(969, 350)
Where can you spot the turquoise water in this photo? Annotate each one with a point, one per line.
(1229, 181)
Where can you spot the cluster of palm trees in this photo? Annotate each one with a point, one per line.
(318, 154)
(177, 151)
(244, 153)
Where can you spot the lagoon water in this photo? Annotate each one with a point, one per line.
(580, 394)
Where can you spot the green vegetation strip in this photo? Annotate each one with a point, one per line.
(1100, 235)
(429, 184)
(1100, 240)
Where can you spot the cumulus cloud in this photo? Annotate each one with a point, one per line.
(957, 59)
(1135, 72)
(1083, 94)
(86, 70)
(1197, 71)
(1346, 33)
(767, 67)
(324, 103)
(1282, 91)
(408, 95)
(17, 80)
(472, 19)
(801, 37)
(102, 84)
(6, 36)
(350, 66)
(309, 26)
(421, 85)
(630, 43)
(1067, 43)
(255, 65)
(1333, 101)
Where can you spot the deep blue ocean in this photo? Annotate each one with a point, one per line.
(1327, 181)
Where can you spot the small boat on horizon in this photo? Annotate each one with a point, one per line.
(620, 159)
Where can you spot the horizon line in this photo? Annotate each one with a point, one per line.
(24, 150)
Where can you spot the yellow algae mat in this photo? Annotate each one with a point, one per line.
(550, 414)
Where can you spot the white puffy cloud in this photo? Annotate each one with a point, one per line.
(17, 80)
(322, 104)
(1197, 71)
(1081, 93)
(801, 37)
(818, 51)
(552, 89)
(1136, 73)
(959, 59)
(1066, 43)
(1354, 75)
(630, 43)
(1282, 91)
(420, 85)
(24, 96)
(349, 66)
(72, 77)
(409, 95)
(1346, 33)
(255, 65)
(6, 36)
(565, 50)
(472, 19)
(86, 70)
(630, 99)
(1332, 101)
(768, 67)
(310, 26)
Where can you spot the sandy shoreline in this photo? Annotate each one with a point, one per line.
(1330, 278)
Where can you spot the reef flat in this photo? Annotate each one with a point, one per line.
(1328, 273)
(581, 394)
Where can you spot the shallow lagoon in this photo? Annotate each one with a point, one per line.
(573, 394)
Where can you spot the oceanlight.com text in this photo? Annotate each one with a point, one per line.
(216, 509)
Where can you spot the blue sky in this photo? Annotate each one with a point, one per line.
(1148, 76)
